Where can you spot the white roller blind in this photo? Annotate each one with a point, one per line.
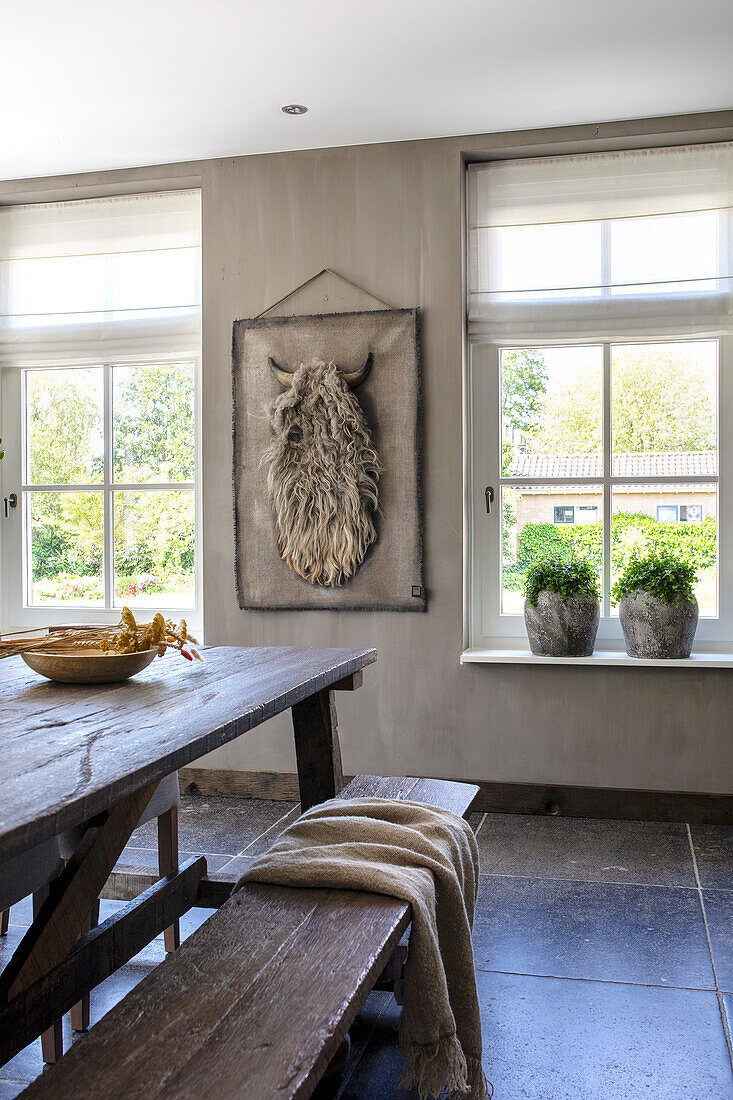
(100, 278)
(602, 245)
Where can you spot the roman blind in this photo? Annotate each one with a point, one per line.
(96, 279)
(602, 245)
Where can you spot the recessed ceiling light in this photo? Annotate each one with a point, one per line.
(294, 109)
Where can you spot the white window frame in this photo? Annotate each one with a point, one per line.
(16, 611)
(488, 631)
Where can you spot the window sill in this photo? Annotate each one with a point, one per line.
(610, 657)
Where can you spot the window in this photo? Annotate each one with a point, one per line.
(100, 350)
(600, 293)
(680, 513)
(586, 513)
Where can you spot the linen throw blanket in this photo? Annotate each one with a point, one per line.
(428, 857)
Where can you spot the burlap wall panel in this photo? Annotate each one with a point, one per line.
(390, 398)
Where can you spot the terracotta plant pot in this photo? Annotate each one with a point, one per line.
(558, 627)
(653, 628)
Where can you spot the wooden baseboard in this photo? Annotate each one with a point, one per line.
(279, 786)
(493, 797)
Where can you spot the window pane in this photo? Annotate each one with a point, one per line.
(65, 426)
(66, 535)
(538, 520)
(666, 254)
(155, 280)
(664, 409)
(552, 412)
(154, 548)
(153, 422)
(45, 289)
(679, 518)
(46, 286)
(525, 262)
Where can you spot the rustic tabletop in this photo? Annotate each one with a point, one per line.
(68, 752)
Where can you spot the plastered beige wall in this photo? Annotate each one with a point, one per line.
(389, 217)
(539, 507)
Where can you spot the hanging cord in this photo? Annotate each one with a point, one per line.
(323, 271)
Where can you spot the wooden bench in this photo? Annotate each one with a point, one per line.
(257, 1002)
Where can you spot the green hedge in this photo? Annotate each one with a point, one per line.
(694, 543)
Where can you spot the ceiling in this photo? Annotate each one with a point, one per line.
(87, 85)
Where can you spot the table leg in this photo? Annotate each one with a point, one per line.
(63, 917)
(100, 953)
(317, 748)
(52, 1039)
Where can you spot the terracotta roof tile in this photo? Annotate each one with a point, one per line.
(653, 464)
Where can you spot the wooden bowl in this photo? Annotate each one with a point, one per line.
(87, 666)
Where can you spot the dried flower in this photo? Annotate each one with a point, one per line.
(128, 637)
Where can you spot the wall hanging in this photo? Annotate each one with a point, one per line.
(327, 507)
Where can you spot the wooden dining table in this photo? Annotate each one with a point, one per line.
(94, 755)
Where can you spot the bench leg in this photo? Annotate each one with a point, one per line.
(329, 1085)
(340, 1058)
(168, 865)
(80, 1018)
(52, 1040)
(4, 922)
(393, 971)
(317, 749)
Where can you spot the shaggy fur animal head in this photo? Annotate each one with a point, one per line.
(322, 476)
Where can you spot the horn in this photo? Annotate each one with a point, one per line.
(351, 378)
(356, 377)
(284, 377)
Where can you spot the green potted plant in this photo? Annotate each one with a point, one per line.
(561, 607)
(657, 606)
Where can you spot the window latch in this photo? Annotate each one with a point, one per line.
(10, 502)
(489, 494)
